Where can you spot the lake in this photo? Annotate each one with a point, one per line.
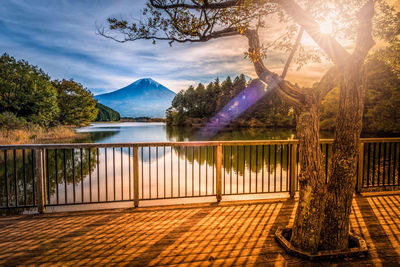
(131, 132)
(167, 175)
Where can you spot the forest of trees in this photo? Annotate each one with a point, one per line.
(197, 105)
(203, 102)
(106, 113)
(29, 97)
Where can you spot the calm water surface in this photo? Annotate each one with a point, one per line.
(166, 174)
(131, 132)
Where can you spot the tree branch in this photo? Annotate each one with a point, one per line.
(206, 5)
(287, 91)
(364, 41)
(332, 48)
(294, 49)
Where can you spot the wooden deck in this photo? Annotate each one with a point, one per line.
(225, 234)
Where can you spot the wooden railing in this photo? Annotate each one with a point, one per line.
(68, 174)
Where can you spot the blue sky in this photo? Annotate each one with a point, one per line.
(60, 37)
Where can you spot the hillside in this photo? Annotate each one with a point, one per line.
(143, 98)
(106, 113)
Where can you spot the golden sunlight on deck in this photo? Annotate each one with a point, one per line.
(235, 233)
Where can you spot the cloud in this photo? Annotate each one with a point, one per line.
(60, 37)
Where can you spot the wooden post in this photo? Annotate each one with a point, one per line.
(219, 172)
(360, 168)
(40, 198)
(136, 176)
(293, 169)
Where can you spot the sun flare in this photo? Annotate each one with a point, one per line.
(325, 27)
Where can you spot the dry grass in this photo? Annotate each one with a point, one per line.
(37, 135)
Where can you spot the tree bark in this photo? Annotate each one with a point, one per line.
(342, 179)
(310, 212)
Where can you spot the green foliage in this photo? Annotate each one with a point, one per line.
(382, 102)
(76, 103)
(106, 114)
(8, 121)
(27, 92)
(204, 102)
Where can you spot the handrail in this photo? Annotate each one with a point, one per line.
(181, 144)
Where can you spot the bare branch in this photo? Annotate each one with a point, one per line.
(294, 49)
(206, 5)
(287, 91)
(364, 40)
(332, 48)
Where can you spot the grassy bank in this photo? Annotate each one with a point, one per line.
(38, 135)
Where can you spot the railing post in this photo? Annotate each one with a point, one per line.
(360, 168)
(40, 198)
(136, 176)
(293, 169)
(219, 172)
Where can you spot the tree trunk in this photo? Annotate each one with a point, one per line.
(342, 178)
(309, 216)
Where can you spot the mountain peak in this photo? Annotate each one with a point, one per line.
(146, 81)
(144, 97)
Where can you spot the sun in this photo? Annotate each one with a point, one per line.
(325, 27)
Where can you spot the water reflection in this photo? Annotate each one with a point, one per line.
(106, 174)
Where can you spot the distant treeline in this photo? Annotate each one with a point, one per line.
(142, 119)
(197, 105)
(106, 113)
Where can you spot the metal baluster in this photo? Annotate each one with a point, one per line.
(157, 168)
(33, 176)
(379, 163)
(113, 150)
(256, 168)
(65, 176)
(186, 149)
(165, 187)
(390, 163)
(200, 170)
(250, 169)
(244, 169)
(90, 177)
(82, 174)
(206, 170)
(172, 175)
(384, 164)
(193, 160)
(142, 148)
(56, 169)
(213, 177)
(105, 161)
(48, 176)
(129, 170)
(15, 177)
(122, 174)
(275, 147)
(6, 178)
(231, 172)
(269, 168)
(98, 174)
(262, 167)
(281, 165)
(394, 162)
(179, 171)
(73, 173)
(24, 173)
